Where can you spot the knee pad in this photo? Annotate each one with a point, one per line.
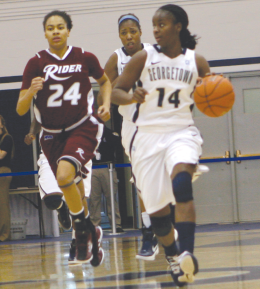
(52, 202)
(161, 225)
(182, 187)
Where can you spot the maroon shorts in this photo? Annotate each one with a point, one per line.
(78, 145)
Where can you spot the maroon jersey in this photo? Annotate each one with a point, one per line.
(67, 96)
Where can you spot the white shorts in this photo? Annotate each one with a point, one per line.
(127, 132)
(47, 182)
(154, 156)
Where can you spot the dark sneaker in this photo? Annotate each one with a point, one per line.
(97, 251)
(84, 246)
(183, 268)
(119, 230)
(72, 254)
(150, 247)
(64, 217)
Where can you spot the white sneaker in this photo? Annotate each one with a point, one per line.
(189, 266)
(183, 268)
(176, 235)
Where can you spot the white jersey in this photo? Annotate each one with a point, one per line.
(170, 83)
(127, 111)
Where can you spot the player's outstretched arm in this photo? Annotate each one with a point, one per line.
(104, 97)
(127, 79)
(26, 95)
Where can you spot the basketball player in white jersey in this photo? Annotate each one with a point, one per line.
(130, 36)
(167, 145)
(50, 192)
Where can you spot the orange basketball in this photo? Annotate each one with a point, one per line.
(214, 95)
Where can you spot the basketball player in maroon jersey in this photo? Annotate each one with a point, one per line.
(57, 79)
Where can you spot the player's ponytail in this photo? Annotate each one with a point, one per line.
(187, 40)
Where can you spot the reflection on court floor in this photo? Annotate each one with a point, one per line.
(228, 259)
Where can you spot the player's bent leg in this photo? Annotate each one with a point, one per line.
(150, 246)
(163, 228)
(96, 232)
(55, 202)
(65, 177)
(162, 225)
(185, 225)
(185, 210)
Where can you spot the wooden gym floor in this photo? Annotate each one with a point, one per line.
(229, 258)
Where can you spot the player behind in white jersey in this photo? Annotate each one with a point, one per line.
(57, 79)
(130, 35)
(166, 148)
(50, 192)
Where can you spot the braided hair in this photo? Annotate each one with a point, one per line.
(187, 40)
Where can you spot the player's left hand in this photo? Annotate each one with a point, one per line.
(29, 138)
(104, 113)
(139, 95)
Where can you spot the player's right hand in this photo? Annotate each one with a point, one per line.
(29, 138)
(139, 95)
(36, 84)
(104, 113)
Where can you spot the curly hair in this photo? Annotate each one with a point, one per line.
(62, 14)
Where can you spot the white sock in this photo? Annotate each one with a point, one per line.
(146, 220)
(73, 234)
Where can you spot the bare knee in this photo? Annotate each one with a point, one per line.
(65, 173)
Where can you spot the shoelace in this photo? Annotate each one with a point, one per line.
(174, 264)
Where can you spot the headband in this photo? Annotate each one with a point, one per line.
(131, 17)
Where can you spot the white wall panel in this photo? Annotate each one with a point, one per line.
(228, 28)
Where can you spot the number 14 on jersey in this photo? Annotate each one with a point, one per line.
(173, 98)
